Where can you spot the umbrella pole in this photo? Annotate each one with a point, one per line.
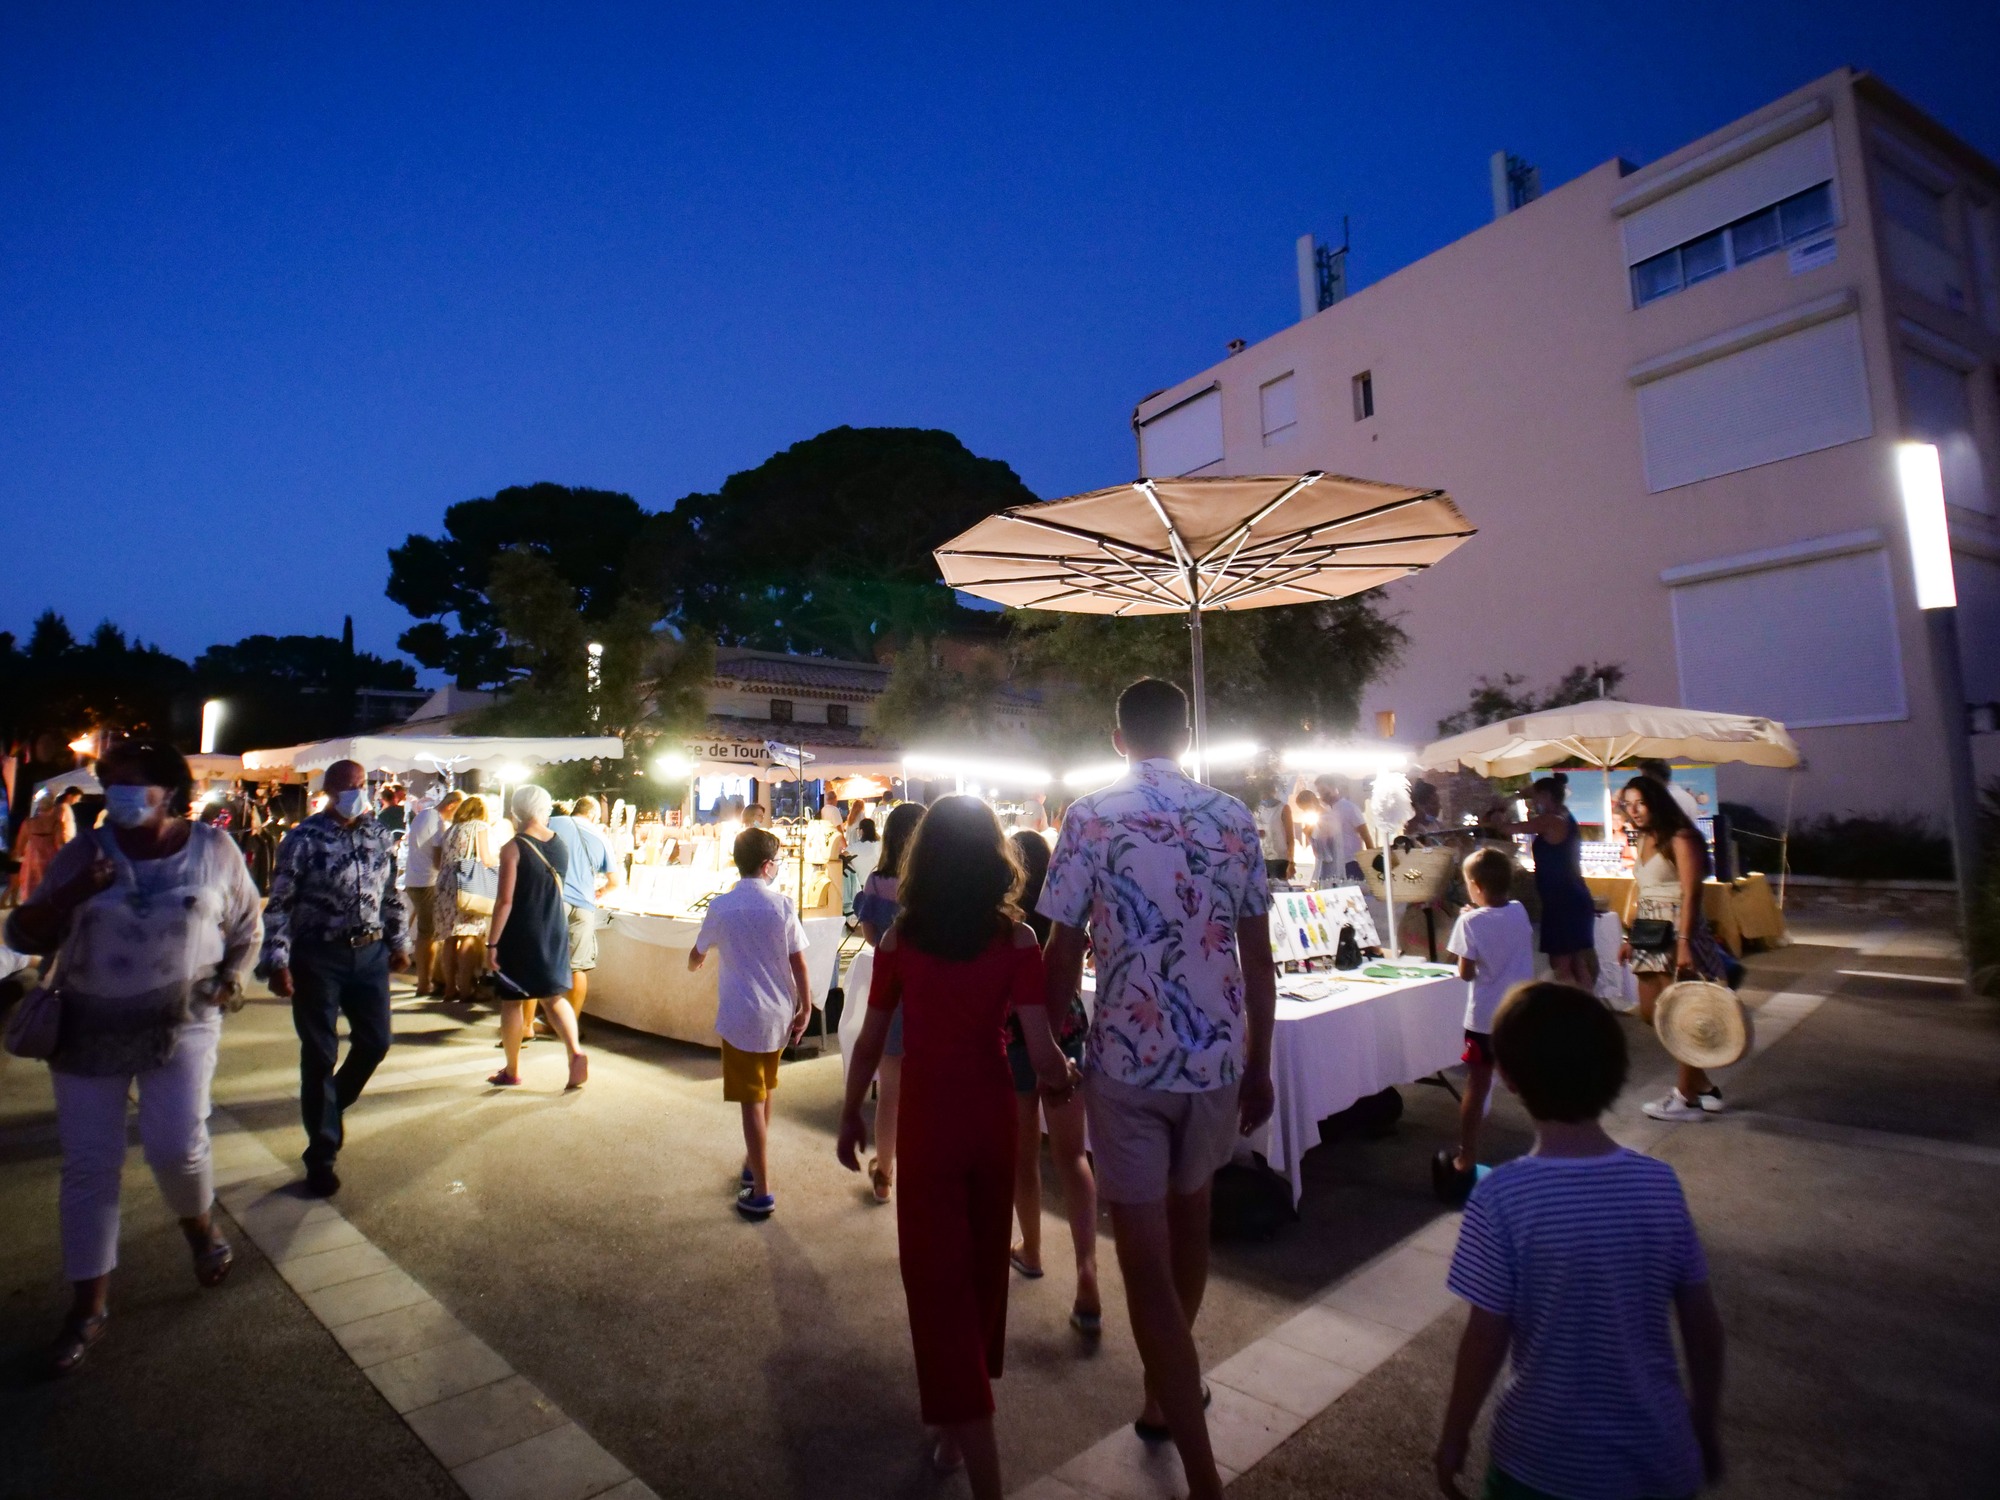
(1200, 685)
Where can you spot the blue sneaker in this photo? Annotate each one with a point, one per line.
(753, 1207)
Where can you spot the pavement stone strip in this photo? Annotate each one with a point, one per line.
(498, 1434)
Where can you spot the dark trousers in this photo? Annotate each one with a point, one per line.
(331, 980)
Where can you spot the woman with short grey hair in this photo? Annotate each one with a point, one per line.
(527, 944)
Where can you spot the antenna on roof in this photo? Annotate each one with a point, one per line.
(1322, 272)
(1516, 183)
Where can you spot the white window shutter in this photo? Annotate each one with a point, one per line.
(1810, 645)
(1777, 399)
(1183, 439)
(1279, 402)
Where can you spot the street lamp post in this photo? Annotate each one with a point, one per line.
(595, 674)
(1922, 481)
(211, 724)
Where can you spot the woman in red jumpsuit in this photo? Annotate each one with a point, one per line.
(958, 961)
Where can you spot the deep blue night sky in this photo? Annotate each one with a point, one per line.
(283, 281)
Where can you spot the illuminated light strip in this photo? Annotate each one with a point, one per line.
(1003, 772)
(1106, 772)
(1353, 758)
(1922, 479)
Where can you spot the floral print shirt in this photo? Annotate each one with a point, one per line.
(330, 880)
(1161, 868)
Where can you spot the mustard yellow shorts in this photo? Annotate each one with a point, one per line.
(748, 1077)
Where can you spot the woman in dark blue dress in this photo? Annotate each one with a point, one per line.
(1569, 913)
(528, 940)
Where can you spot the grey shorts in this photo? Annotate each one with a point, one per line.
(1148, 1143)
(424, 909)
(582, 937)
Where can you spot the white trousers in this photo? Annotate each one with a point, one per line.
(173, 1132)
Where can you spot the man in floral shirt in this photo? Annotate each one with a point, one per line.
(1168, 879)
(334, 930)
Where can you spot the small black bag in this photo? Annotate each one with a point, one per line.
(495, 988)
(1652, 935)
(1249, 1202)
(1347, 952)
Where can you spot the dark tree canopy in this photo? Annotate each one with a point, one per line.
(588, 536)
(1508, 697)
(61, 687)
(826, 547)
(285, 689)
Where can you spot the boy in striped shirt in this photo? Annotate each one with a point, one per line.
(1572, 1258)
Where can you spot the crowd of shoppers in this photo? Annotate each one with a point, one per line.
(979, 1038)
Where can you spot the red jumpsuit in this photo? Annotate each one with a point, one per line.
(955, 1161)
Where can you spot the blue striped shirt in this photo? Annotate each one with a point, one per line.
(1582, 1255)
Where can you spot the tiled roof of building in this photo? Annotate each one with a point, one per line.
(774, 669)
(744, 731)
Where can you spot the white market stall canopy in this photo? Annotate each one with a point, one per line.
(454, 753)
(1607, 733)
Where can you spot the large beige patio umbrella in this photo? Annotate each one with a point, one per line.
(1185, 546)
(1606, 733)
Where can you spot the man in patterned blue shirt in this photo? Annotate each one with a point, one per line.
(334, 930)
(1168, 878)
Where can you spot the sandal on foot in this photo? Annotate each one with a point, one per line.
(212, 1262)
(1159, 1432)
(945, 1459)
(1031, 1273)
(504, 1080)
(1089, 1324)
(72, 1345)
(579, 1073)
(879, 1182)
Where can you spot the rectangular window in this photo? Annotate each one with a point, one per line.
(1749, 238)
(1937, 408)
(1756, 236)
(1910, 203)
(1183, 439)
(1655, 278)
(1807, 213)
(1278, 401)
(781, 710)
(1789, 395)
(1364, 395)
(1810, 644)
(1792, 166)
(1703, 258)
(836, 713)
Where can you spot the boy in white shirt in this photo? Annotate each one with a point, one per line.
(1494, 943)
(764, 998)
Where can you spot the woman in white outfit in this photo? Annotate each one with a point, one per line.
(153, 920)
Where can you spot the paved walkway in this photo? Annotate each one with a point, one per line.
(538, 1295)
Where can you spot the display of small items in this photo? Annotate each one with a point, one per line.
(1306, 925)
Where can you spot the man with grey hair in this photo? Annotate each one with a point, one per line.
(334, 930)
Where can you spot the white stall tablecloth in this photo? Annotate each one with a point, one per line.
(642, 979)
(1327, 1054)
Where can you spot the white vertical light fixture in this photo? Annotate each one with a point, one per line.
(1922, 480)
(595, 669)
(211, 724)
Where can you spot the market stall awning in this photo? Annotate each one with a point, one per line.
(1187, 546)
(1607, 733)
(455, 753)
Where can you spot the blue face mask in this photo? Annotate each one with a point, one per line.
(129, 806)
(351, 803)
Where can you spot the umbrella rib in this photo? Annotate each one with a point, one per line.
(1243, 528)
(1093, 537)
(1292, 578)
(1182, 557)
(1306, 544)
(1389, 507)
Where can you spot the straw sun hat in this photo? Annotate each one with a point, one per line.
(1702, 1024)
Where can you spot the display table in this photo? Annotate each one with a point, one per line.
(1738, 911)
(642, 979)
(1364, 1038)
(1325, 1054)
